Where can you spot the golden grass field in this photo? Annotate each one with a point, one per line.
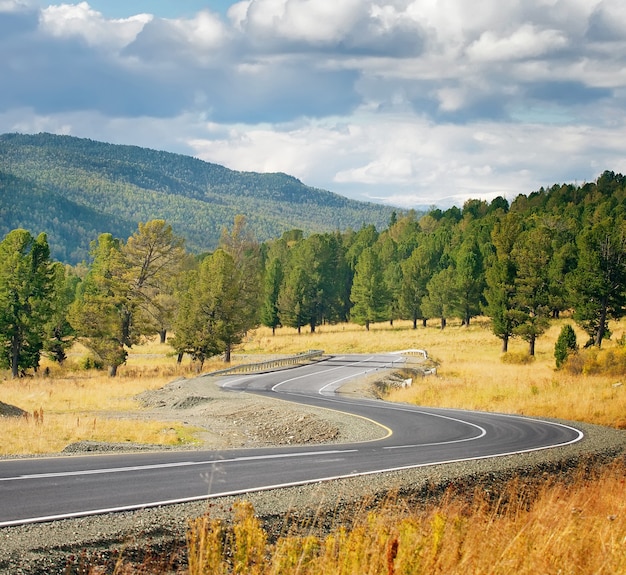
(72, 404)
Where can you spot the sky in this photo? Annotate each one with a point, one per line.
(411, 103)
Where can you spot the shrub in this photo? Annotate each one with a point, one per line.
(517, 358)
(565, 345)
(89, 362)
(594, 361)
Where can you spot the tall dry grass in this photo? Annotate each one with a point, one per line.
(68, 404)
(575, 527)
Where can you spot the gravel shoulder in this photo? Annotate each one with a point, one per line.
(232, 420)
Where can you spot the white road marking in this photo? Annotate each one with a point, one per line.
(171, 465)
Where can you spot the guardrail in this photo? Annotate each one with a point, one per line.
(421, 352)
(270, 364)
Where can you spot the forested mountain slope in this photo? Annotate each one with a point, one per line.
(74, 189)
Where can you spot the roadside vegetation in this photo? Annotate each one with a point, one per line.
(576, 527)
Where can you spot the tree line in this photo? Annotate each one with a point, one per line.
(521, 264)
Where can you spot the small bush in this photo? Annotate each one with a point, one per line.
(594, 361)
(565, 345)
(89, 362)
(517, 358)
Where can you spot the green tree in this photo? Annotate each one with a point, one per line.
(369, 294)
(470, 280)
(532, 294)
(269, 308)
(500, 277)
(242, 246)
(598, 284)
(212, 318)
(193, 327)
(392, 273)
(565, 345)
(59, 332)
(102, 313)
(26, 287)
(412, 290)
(443, 295)
(297, 297)
(151, 259)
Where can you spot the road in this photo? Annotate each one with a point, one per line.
(45, 489)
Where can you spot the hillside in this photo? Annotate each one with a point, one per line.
(75, 188)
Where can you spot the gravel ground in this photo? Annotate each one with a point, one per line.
(232, 420)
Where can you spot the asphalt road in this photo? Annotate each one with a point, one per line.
(45, 489)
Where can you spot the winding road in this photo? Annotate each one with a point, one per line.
(46, 489)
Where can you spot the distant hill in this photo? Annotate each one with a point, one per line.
(75, 189)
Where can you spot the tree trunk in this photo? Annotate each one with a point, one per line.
(443, 322)
(15, 357)
(505, 344)
(163, 335)
(112, 370)
(227, 353)
(601, 325)
(531, 346)
(179, 359)
(424, 321)
(367, 325)
(414, 323)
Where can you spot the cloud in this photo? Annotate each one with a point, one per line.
(402, 99)
(526, 42)
(68, 21)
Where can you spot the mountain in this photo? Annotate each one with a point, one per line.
(75, 189)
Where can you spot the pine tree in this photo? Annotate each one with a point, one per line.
(500, 277)
(151, 259)
(26, 287)
(102, 314)
(269, 309)
(598, 284)
(565, 345)
(443, 295)
(369, 294)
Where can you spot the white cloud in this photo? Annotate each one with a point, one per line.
(321, 21)
(205, 31)
(79, 20)
(525, 42)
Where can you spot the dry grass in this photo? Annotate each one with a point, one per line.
(66, 405)
(579, 527)
(471, 372)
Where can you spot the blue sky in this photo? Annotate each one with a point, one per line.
(161, 8)
(412, 103)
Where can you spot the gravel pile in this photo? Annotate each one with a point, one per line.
(66, 547)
